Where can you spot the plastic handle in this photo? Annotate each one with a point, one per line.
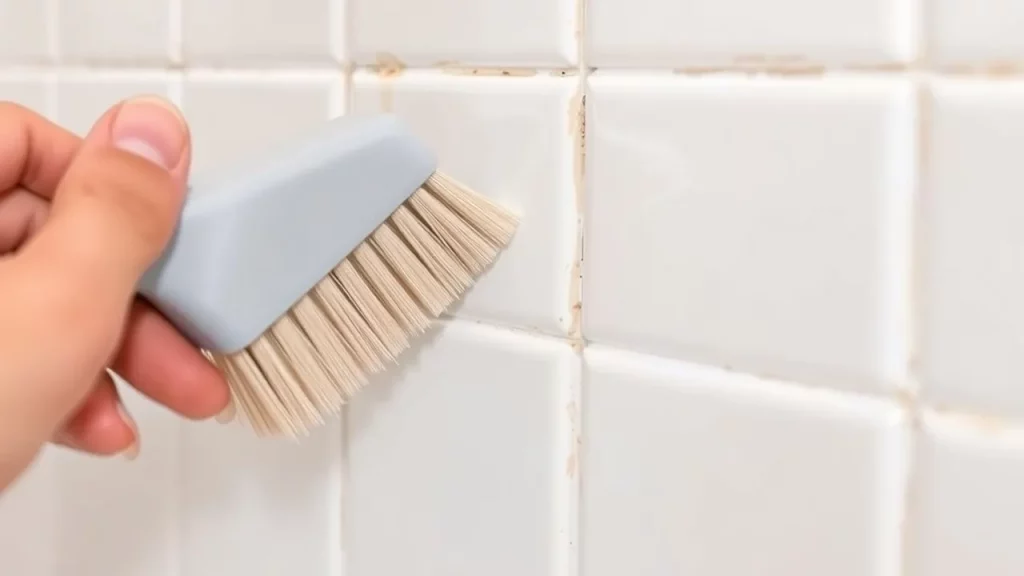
(255, 239)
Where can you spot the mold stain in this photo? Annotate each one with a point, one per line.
(388, 66)
(506, 72)
(572, 463)
(578, 130)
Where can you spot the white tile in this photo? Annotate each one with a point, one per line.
(760, 224)
(25, 32)
(972, 313)
(83, 98)
(29, 520)
(34, 93)
(454, 458)
(233, 117)
(694, 471)
(975, 31)
(965, 511)
(749, 32)
(120, 518)
(252, 32)
(463, 32)
(259, 506)
(118, 31)
(508, 138)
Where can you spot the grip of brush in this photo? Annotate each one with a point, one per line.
(252, 240)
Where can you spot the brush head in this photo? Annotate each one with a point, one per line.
(359, 318)
(256, 237)
(303, 273)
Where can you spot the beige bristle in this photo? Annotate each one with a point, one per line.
(362, 315)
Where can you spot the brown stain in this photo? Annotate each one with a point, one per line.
(980, 423)
(388, 67)
(997, 69)
(784, 66)
(508, 72)
(572, 463)
(578, 130)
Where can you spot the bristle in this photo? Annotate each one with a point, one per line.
(362, 315)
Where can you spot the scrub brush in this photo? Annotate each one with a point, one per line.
(303, 273)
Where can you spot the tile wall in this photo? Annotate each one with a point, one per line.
(763, 315)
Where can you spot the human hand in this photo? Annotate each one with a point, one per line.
(80, 222)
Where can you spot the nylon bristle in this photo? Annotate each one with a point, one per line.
(360, 318)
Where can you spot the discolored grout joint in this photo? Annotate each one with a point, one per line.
(578, 130)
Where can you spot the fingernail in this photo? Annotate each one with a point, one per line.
(132, 451)
(152, 128)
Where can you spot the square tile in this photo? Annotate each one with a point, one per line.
(25, 32)
(253, 32)
(235, 115)
(965, 513)
(987, 32)
(83, 98)
(30, 519)
(508, 138)
(96, 31)
(972, 317)
(689, 470)
(759, 33)
(129, 511)
(523, 33)
(259, 506)
(759, 224)
(455, 458)
(31, 91)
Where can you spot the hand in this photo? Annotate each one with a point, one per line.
(80, 222)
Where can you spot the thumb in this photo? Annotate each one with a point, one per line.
(112, 214)
(118, 203)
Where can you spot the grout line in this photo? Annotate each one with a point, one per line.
(53, 31)
(573, 546)
(175, 33)
(992, 71)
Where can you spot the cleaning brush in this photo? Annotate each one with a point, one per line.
(303, 272)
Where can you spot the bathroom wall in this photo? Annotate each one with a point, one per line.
(763, 314)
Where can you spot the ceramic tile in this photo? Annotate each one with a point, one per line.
(119, 517)
(259, 506)
(252, 32)
(497, 33)
(29, 520)
(761, 224)
(233, 117)
(649, 33)
(96, 31)
(684, 467)
(972, 314)
(453, 459)
(34, 93)
(986, 33)
(83, 98)
(25, 32)
(965, 514)
(507, 138)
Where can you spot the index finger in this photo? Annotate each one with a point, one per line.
(34, 152)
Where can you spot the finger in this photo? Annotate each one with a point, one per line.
(154, 358)
(101, 425)
(117, 205)
(160, 363)
(22, 213)
(67, 292)
(34, 152)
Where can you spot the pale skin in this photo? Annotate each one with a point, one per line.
(80, 222)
